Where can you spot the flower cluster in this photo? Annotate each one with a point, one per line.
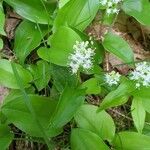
(112, 78)
(111, 6)
(141, 74)
(82, 56)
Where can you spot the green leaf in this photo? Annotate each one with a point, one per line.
(17, 112)
(77, 13)
(118, 46)
(62, 3)
(69, 102)
(37, 11)
(62, 77)
(2, 20)
(5, 137)
(146, 130)
(27, 38)
(100, 123)
(86, 140)
(61, 43)
(118, 96)
(7, 77)
(131, 141)
(144, 95)
(41, 73)
(108, 19)
(92, 85)
(1, 43)
(139, 9)
(138, 114)
(146, 104)
(143, 92)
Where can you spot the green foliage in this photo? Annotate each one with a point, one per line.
(41, 74)
(15, 108)
(82, 139)
(62, 77)
(28, 34)
(131, 141)
(1, 43)
(77, 13)
(70, 100)
(2, 18)
(92, 86)
(100, 123)
(139, 9)
(118, 96)
(5, 136)
(61, 47)
(138, 114)
(119, 47)
(7, 76)
(37, 11)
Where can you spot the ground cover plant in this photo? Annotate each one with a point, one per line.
(76, 74)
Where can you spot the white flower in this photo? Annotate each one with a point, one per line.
(108, 11)
(81, 57)
(103, 2)
(116, 1)
(141, 74)
(111, 6)
(112, 78)
(115, 11)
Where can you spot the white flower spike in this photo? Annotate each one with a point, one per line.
(112, 78)
(111, 6)
(82, 56)
(141, 74)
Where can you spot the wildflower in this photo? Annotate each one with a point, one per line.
(103, 2)
(111, 6)
(141, 74)
(81, 57)
(112, 78)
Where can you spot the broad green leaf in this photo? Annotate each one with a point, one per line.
(118, 96)
(2, 20)
(118, 46)
(41, 74)
(131, 141)
(77, 13)
(146, 104)
(17, 112)
(86, 140)
(62, 76)
(143, 92)
(139, 9)
(92, 85)
(62, 3)
(69, 102)
(1, 43)
(146, 130)
(144, 95)
(6, 137)
(138, 114)
(27, 38)
(37, 11)
(100, 123)
(61, 43)
(7, 77)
